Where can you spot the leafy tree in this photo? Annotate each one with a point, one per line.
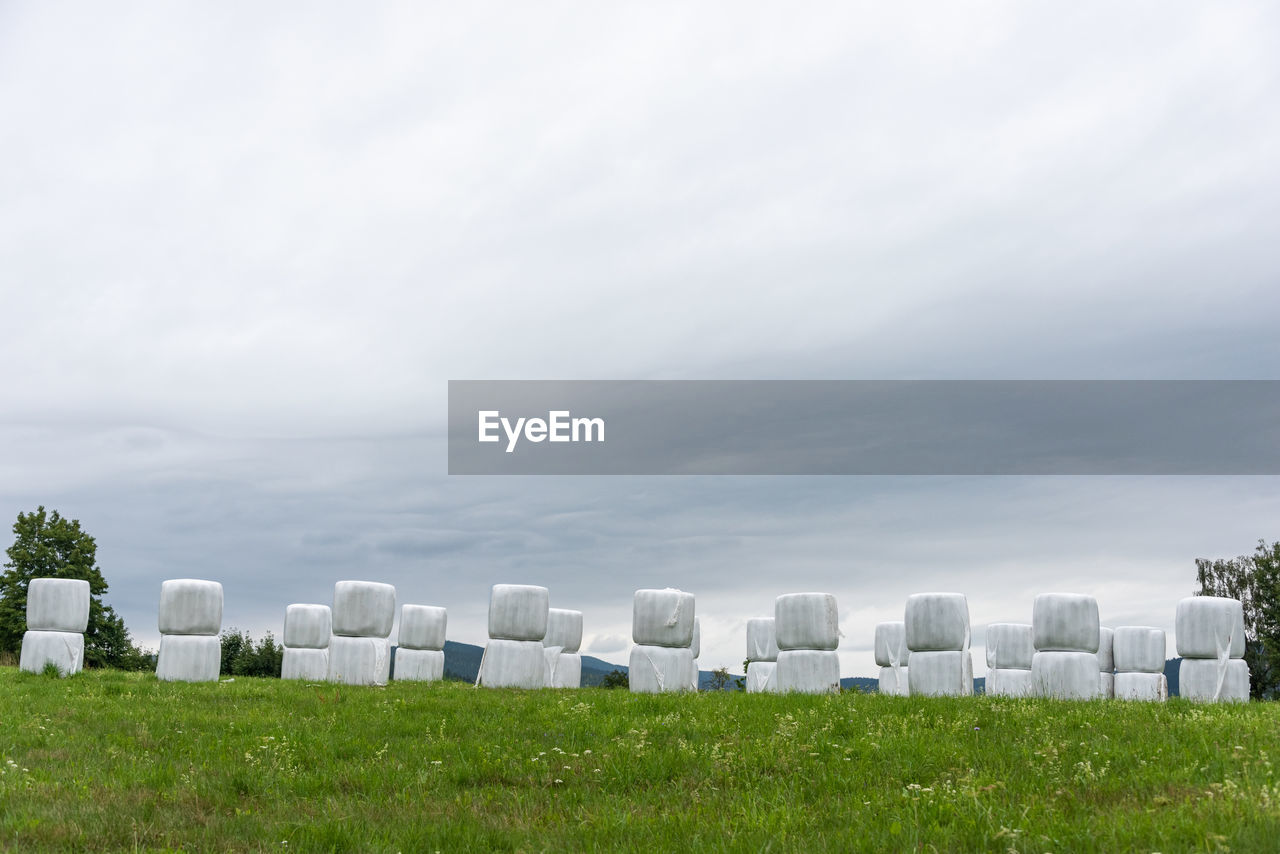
(615, 679)
(50, 546)
(241, 657)
(719, 679)
(1254, 580)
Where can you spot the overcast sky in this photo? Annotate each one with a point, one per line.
(243, 248)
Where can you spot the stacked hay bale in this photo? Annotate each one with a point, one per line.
(762, 655)
(891, 656)
(57, 615)
(662, 629)
(695, 649)
(306, 642)
(560, 647)
(420, 647)
(360, 645)
(1065, 628)
(190, 619)
(939, 663)
(1210, 633)
(1010, 652)
(807, 626)
(1106, 663)
(1139, 658)
(514, 656)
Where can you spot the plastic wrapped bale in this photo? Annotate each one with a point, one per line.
(564, 629)
(1210, 627)
(808, 671)
(566, 671)
(659, 669)
(518, 612)
(58, 605)
(307, 627)
(363, 609)
(1107, 685)
(891, 644)
(513, 664)
(418, 665)
(1010, 682)
(1065, 675)
(1215, 680)
(1106, 647)
(663, 618)
(695, 647)
(1010, 646)
(190, 606)
(422, 627)
(937, 622)
(305, 663)
(1138, 649)
(762, 642)
(940, 673)
(359, 660)
(1151, 687)
(65, 650)
(189, 658)
(1065, 622)
(762, 677)
(894, 681)
(806, 621)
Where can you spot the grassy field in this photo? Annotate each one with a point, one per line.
(121, 761)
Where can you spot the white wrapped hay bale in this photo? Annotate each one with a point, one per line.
(190, 606)
(189, 658)
(1223, 680)
(1138, 649)
(663, 618)
(808, 671)
(1065, 675)
(1151, 687)
(894, 681)
(422, 627)
(1106, 646)
(58, 605)
(1010, 682)
(806, 621)
(418, 665)
(1107, 685)
(762, 642)
(1065, 622)
(695, 647)
(891, 644)
(564, 629)
(359, 660)
(1010, 646)
(566, 671)
(937, 622)
(762, 677)
(659, 669)
(65, 650)
(1210, 627)
(519, 612)
(513, 664)
(307, 626)
(305, 663)
(939, 673)
(363, 609)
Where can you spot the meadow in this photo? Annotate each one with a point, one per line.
(119, 761)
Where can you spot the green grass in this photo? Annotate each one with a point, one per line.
(108, 760)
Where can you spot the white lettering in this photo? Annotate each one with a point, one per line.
(486, 425)
(512, 435)
(587, 424)
(559, 426)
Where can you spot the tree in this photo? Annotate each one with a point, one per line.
(719, 679)
(615, 679)
(241, 657)
(50, 546)
(1254, 580)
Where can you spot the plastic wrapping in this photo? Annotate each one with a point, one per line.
(1065, 622)
(513, 664)
(762, 643)
(305, 663)
(940, 673)
(891, 644)
(894, 681)
(663, 618)
(418, 665)
(806, 621)
(660, 669)
(363, 609)
(307, 627)
(1216, 680)
(566, 671)
(359, 660)
(519, 612)
(58, 605)
(64, 649)
(808, 671)
(1107, 685)
(762, 677)
(1010, 682)
(190, 606)
(937, 622)
(422, 627)
(1209, 626)
(695, 643)
(1065, 675)
(1151, 687)
(1106, 645)
(189, 658)
(1138, 649)
(564, 629)
(1009, 646)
